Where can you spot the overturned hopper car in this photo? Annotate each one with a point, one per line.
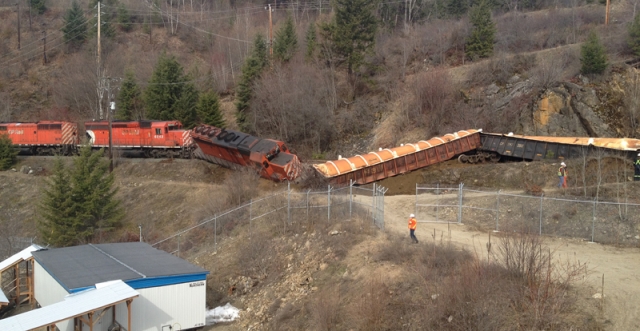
(388, 162)
(534, 148)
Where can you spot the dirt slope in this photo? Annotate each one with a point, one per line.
(618, 265)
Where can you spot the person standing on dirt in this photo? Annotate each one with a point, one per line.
(562, 171)
(636, 169)
(413, 224)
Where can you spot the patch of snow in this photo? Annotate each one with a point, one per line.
(226, 313)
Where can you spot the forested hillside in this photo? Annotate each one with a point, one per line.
(327, 75)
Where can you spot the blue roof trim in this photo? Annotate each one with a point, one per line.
(165, 280)
(155, 281)
(80, 289)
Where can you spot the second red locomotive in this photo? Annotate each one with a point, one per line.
(153, 138)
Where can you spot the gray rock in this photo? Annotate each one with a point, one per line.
(492, 89)
(514, 79)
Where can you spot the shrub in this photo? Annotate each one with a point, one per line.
(594, 57)
(7, 152)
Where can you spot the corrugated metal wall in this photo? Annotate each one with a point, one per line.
(181, 306)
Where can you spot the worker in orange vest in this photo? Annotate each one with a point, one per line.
(561, 173)
(412, 227)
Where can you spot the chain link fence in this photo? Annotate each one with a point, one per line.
(290, 209)
(597, 221)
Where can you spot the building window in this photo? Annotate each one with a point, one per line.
(158, 132)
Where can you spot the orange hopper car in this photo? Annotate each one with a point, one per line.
(388, 162)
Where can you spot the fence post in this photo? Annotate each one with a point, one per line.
(328, 202)
(373, 203)
(460, 187)
(250, 217)
(289, 202)
(541, 198)
(215, 232)
(350, 196)
(593, 223)
(498, 211)
(415, 206)
(437, 200)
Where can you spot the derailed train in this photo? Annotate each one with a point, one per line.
(470, 146)
(272, 159)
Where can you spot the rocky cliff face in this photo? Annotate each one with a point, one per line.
(579, 107)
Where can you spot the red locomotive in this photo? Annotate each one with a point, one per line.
(232, 149)
(44, 137)
(153, 138)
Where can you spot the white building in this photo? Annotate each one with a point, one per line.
(171, 292)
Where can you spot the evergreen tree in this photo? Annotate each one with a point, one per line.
(165, 89)
(129, 100)
(7, 152)
(79, 202)
(311, 41)
(56, 218)
(38, 6)
(351, 34)
(92, 195)
(75, 25)
(251, 69)
(186, 106)
(209, 109)
(634, 35)
(286, 41)
(480, 43)
(124, 18)
(457, 8)
(594, 56)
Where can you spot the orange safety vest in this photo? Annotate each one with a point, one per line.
(412, 223)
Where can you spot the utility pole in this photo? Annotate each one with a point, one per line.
(109, 115)
(606, 16)
(100, 81)
(29, 1)
(44, 46)
(271, 32)
(18, 4)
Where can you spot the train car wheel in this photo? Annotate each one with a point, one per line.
(494, 158)
(463, 158)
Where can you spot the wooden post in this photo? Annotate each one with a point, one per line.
(18, 4)
(129, 314)
(16, 269)
(606, 15)
(90, 321)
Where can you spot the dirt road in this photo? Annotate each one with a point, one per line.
(620, 266)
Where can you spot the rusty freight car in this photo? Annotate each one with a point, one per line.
(388, 162)
(534, 148)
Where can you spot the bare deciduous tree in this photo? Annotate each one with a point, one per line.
(292, 103)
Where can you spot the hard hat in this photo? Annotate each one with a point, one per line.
(562, 164)
(412, 215)
(638, 154)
